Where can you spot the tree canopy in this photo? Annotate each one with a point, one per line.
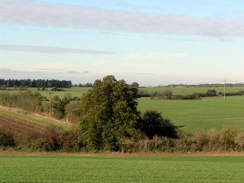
(109, 114)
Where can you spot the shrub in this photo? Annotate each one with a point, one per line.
(239, 141)
(30, 141)
(52, 141)
(59, 140)
(6, 138)
(200, 139)
(228, 136)
(152, 123)
(214, 140)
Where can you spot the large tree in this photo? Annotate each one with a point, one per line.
(109, 114)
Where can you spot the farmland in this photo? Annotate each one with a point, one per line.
(121, 169)
(206, 113)
(11, 115)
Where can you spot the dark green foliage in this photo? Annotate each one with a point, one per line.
(109, 114)
(211, 93)
(35, 83)
(152, 123)
(134, 85)
(59, 107)
(6, 139)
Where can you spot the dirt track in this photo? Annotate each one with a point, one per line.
(17, 126)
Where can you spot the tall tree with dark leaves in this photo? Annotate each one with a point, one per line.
(109, 114)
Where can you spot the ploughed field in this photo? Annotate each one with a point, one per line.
(190, 169)
(17, 126)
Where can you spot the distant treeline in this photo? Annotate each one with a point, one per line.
(168, 95)
(209, 85)
(40, 83)
(83, 85)
(35, 83)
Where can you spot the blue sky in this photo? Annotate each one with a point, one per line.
(150, 42)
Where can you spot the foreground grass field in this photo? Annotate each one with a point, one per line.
(206, 113)
(182, 169)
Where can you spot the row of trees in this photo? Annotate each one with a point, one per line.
(168, 94)
(35, 83)
(208, 85)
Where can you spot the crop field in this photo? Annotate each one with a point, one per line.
(206, 113)
(122, 169)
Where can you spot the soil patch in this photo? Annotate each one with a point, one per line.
(18, 126)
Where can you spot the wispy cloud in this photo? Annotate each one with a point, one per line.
(43, 49)
(166, 55)
(133, 56)
(35, 13)
(127, 5)
(6, 70)
(76, 72)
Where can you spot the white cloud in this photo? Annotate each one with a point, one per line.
(61, 15)
(43, 49)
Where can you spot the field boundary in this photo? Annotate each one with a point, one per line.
(119, 154)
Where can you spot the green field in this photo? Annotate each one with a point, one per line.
(181, 169)
(193, 114)
(206, 113)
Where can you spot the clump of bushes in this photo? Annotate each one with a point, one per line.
(54, 139)
(25, 100)
(227, 139)
(58, 140)
(6, 138)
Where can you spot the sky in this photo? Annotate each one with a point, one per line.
(157, 42)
